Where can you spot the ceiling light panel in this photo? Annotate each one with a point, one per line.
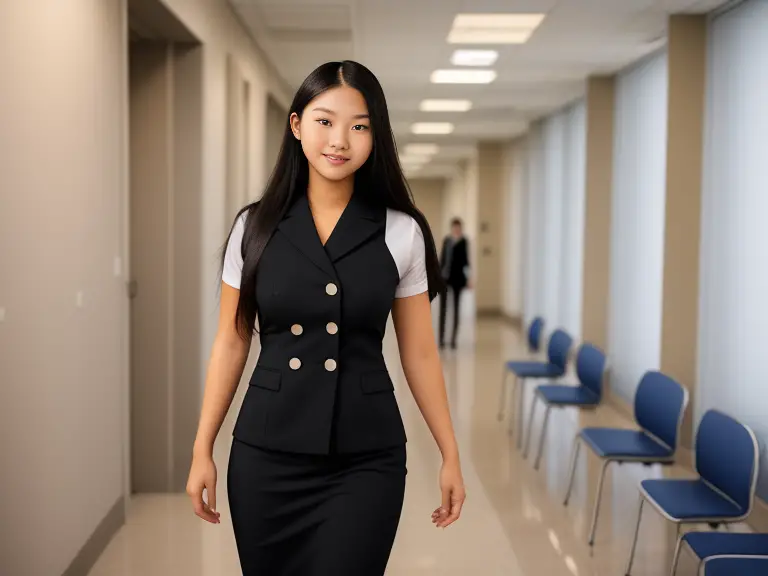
(432, 128)
(463, 76)
(445, 106)
(421, 149)
(493, 28)
(474, 57)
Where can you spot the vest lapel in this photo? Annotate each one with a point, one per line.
(299, 227)
(359, 222)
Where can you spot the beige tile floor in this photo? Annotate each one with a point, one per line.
(514, 523)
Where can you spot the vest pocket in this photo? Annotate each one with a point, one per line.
(377, 381)
(267, 378)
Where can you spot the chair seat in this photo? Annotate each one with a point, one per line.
(705, 544)
(570, 395)
(736, 567)
(689, 500)
(615, 443)
(535, 369)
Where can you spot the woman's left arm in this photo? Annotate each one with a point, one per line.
(424, 373)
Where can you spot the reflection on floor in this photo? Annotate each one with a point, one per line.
(513, 523)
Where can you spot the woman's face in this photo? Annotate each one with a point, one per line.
(335, 132)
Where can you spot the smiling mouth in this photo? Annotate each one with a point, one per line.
(336, 157)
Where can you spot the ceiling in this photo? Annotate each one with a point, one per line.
(404, 41)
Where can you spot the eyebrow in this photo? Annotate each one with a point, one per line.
(356, 116)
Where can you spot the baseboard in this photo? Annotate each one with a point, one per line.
(488, 313)
(516, 321)
(98, 541)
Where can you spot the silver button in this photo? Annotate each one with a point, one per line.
(330, 364)
(297, 329)
(331, 327)
(295, 363)
(331, 289)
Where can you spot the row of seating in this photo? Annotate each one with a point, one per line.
(726, 451)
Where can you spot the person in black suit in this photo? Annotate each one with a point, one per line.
(317, 467)
(454, 262)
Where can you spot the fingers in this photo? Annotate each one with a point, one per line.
(202, 509)
(448, 514)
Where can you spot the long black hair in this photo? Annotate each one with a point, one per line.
(380, 178)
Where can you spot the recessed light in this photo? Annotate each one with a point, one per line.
(493, 28)
(432, 128)
(445, 105)
(463, 76)
(421, 149)
(474, 57)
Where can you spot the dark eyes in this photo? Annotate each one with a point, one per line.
(357, 127)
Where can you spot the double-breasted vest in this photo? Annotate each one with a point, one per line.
(320, 384)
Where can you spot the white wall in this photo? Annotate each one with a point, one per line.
(534, 232)
(513, 206)
(733, 310)
(62, 225)
(637, 223)
(551, 221)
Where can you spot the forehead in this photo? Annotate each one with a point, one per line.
(341, 100)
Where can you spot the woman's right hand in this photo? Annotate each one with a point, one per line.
(202, 474)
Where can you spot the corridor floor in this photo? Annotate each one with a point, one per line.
(513, 523)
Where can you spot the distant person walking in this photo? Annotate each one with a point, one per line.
(454, 261)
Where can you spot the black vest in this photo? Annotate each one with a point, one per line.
(320, 384)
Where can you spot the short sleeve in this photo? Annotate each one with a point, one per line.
(233, 257)
(414, 279)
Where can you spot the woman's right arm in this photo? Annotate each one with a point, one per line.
(225, 368)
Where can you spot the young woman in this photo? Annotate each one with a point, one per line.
(317, 467)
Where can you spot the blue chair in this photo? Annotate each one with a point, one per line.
(704, 545)
(557, 359)
(660, 403)
(726, 460)
(535, 332)
(735, 566)
(590, 368)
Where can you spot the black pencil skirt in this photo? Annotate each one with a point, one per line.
(315, 515)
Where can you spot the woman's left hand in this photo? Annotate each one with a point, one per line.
(452, 488)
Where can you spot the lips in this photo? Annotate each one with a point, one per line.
(336, 159)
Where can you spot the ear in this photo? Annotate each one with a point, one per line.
(295, 125)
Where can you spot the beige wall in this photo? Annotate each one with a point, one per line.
(686, 57)
(428, 195)
(63, 233)
(597, 210)
(514, 183)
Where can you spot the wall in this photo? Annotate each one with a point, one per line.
(490, 227)
(63, 343)
(513, 206)
(428, 195)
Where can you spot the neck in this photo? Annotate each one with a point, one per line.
(329, 193)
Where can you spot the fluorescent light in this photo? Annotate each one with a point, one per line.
(497, 21)
(493, 28)
(445, 105)
(421, 149)
(463, 76)
(414, 159)
(432, 128)
(474, 57)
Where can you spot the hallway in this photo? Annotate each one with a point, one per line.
(513, 523)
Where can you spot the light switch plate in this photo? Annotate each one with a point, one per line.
(117, 267)
(2, 314)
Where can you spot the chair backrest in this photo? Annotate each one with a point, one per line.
(590, 367)
(727, 457)
(660, 403)
(559, 347)
(534, 334)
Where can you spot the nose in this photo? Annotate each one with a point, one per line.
(339, 138)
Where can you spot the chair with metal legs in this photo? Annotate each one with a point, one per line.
(554, 367)
(590, 369)
(706, 545)
(659, 405)
(726, 460)
(535, 333)
(731, 565)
